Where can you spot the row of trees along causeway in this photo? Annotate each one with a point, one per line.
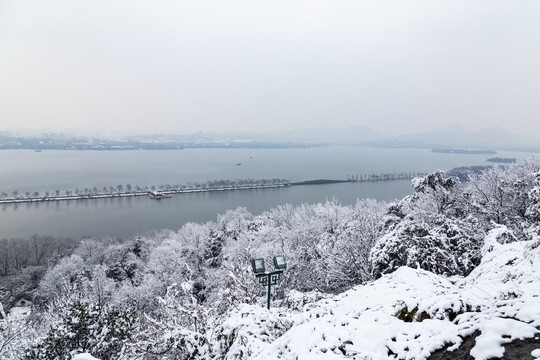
(214, 185)
(137, 190)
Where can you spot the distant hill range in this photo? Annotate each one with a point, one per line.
(457, 137)
(316, 136)
(449, 137)
(453, 139)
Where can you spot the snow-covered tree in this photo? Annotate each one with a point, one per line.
(501, 195)
(175, 330)
(66, 282)
(234, 283)
(16, 334)
(228, 226)
(452, 247)
(347, 260)
(84, 327)
(124, 262)
(429, 230)
(443, 193)
(533, 208)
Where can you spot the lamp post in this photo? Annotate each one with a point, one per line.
(271, 278)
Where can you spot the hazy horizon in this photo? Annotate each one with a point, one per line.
(445, 129)
(183, 67)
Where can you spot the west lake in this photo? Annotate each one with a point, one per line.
(25, 170)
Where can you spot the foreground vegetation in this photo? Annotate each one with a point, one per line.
(165, 295)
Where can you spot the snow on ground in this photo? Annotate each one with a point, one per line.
(84, 356)
(20, 312)
(404, 315)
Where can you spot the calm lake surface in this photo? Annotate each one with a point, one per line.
(25, 170)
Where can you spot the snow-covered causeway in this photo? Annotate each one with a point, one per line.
(500, 299)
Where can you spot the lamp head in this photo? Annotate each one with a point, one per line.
(258, 265)
(279, 262)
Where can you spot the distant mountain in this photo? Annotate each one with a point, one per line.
(457, 137)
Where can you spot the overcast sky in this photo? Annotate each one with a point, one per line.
(186, 66)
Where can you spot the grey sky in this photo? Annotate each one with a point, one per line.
(186, 66)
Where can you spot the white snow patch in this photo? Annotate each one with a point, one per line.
(499, 331)
(84, 356)
(491, 241)
(20, 312)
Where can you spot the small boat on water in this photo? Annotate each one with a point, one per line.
(158, 196)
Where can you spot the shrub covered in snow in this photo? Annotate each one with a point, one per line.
(430, 230)
(446, 249)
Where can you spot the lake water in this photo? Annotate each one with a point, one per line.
(25, 170)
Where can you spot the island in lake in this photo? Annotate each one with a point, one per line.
(502, 160)
(462, 151)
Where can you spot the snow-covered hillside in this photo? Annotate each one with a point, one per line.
(404, 315)
(452, 267)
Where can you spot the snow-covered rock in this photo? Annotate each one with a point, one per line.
(404, 315)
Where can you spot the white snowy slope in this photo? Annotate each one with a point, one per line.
(500, 298)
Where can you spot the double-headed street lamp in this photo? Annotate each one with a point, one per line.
(271, 278)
